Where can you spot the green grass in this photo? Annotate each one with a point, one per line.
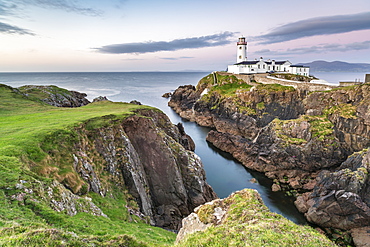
(320, 127)
(275, 88)
(343, 110)
(229, 89)
(31, 132)
(248, 222)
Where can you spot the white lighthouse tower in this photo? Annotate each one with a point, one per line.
(242, 50)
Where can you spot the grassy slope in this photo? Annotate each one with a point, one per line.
(24, 126)
(248, 222)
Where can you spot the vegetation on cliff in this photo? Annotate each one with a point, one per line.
(35, 209)
(243, 220)
(296, 136)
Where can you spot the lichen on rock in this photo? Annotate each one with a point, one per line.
(243, 220)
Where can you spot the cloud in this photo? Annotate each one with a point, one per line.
(9, 29)
(13, 7)
(177, 44)
(321, 48)
(18, 7)
(65, 5)
(175, 58)
(316, 26)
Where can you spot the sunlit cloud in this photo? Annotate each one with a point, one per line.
(325, 25)
(177, 44)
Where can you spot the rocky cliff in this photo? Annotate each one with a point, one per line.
(291, 134)
(143, 153)
(94, 174)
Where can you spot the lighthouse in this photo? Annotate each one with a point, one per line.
(242, 50)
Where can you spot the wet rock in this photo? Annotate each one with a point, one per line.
(275, 187)
(167, 95)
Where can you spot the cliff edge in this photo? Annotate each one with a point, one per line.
(99, 174)
(296, 135)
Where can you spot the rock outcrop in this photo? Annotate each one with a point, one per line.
(145, 154)
(55, 96)
(298, 138)
(341, 198)
(243, 220)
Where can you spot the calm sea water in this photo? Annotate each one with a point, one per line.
(224, 174)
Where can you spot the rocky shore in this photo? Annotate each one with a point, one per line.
(305, 140)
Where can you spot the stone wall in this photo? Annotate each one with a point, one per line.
(301, 85)
(265, 79)
(367, 78)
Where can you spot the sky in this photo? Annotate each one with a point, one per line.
(177, 35)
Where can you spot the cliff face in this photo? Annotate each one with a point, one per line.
(291, 134)
(340, 198)
(141, 153)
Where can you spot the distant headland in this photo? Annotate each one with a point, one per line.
(337, 66)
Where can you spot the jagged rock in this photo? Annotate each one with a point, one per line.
(275, 187)
(290, 134)
(100, 98)
(135, 102)
(152, 158)
(55, 96)
(167, 95)
(191, 224)
(341, 199)
(57, 197)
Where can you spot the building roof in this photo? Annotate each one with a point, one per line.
(257, 61)
(247, 62)
(277, 62)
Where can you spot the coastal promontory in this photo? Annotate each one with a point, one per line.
(100, 174)
(310, 139)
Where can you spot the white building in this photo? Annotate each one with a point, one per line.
(243, 66)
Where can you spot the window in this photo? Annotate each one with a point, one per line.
(240, 57)
(240, 47)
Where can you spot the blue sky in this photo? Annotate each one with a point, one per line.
(177, 35)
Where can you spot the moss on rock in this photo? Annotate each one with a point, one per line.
(248, 222)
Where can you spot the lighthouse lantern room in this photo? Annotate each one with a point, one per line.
(242, 50)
